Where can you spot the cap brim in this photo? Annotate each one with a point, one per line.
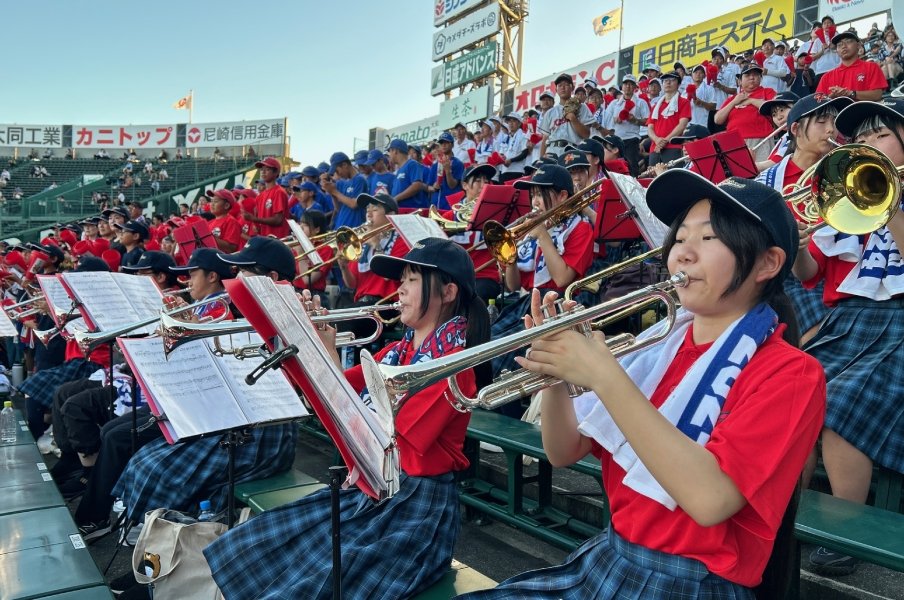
(391, 267)
(854, 114)
(182, 269)
(676, 190)
(236, 258)
(526, 185)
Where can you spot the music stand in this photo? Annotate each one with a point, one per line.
(613, 218)
(721, 156)
(503, 203)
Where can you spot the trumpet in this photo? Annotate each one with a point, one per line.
(176, 333)
(400, 383)
(503, 241)
(89, 340)
(448, 225)
(349, 245)
(593, 281)
(14, 314)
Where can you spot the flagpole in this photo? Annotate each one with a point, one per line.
(621, 26)
(191, 104)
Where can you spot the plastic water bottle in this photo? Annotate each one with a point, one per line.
(8, 423)
(206, 514)
(492, 310)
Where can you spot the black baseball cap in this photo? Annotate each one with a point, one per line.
(384, 200)
(153, 260)
(266, 252)
(677, 190)
(752, 67)
(564, 77)
(118, 210)
(783, 99)
(691, 133)
(810, 104)
(205, 258)
(845, 35)
(91, 263)
(614, 140)
(135, 227)
(488, 171)
(92, 220)
(670, 75)
(850, 117)
(574, 159)
(531, 168)
(436, 253)
(591, 146)
(551, 176)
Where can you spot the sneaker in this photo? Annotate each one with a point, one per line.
(828, 562)
(94, 529)
(131, 537)
(123, 582)
(490, 447)
(73, 488)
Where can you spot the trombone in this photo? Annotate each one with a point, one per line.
(349, 245)
(401, 382)
(175, 332)
(12, 313)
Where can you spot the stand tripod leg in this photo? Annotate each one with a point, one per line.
(337, 475)
(230, 500)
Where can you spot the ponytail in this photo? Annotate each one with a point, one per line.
(479, 333)
(779, 572)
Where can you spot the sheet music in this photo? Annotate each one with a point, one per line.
(414, 228)
(305, 243)
(188, 388)
(7, 329)
(635, 197)
(113, 300)
(144, 296)
(359, 426)
(58, 300)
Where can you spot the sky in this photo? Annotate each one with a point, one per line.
(335, 69)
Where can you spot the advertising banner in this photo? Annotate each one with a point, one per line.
(472, 28)
(465, 108)
(473, 65)
(124, 136)
(443, 10)
(848, 10)
(740, 30)
(603, 69)
(235, 133)
(31, 136)
(415, 133)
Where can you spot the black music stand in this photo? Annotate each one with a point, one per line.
(721, 156)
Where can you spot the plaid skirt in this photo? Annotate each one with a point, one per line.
(41, 386)
(179, 476)
(861, 348)
(808, 304)
(390, 550)
(608, 566)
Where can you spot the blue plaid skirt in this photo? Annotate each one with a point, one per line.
(608, 566)
(41, 386)
(179, 476)
(861, 348)
(808, 304)
(390, 550)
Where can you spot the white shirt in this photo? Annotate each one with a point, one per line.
(707, 93)
(460, 150)
(626, 130)
(554, 125)
(777, 68)
(516, 144)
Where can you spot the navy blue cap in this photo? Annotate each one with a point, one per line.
(373, 156)
(360, 158)
(488, 171)
(574, 159)
(158, 262)
(52, 251)
(92, 220)
(670, 75)
(267, 252)
(551, 176)
(337, 159)
(91, 263)
(528, 169)
(676, 190)
(323, 168)
(398, 144)
(446, 137)
(283, 181)
(850, 117)
(310, 171)
(116, 210)
(206, 258)
(691, 132)
(305, 186)
(593, 147)
(845, 35)
(435, 253)
(135, 227)
(384, 200)
(783, 99)
(752, 67)
(564, 77)
(814, 102)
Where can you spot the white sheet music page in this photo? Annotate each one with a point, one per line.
(101, 298)
(188, 388)
(144, 295)
(414, 228)
(305, 244)
(58, 300)
(7, 329)
(634, 195)
(360, 428)
(271, 398)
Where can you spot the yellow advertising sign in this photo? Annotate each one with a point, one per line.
(740, 30)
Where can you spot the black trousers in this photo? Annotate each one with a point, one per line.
(115, 452)
(85, 418)
(632, 155)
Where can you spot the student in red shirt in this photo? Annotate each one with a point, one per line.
(741, 112)
(225, 228)
(861, 341)
(314, 222)
(420, 523)
(699, 500)
(668, 119)
(854, 78)
(272, 206)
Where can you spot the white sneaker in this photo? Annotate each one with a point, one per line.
(45, 442)
(490, 447)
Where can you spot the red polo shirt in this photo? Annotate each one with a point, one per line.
(747, 120)
(270, 202)
(859, 76)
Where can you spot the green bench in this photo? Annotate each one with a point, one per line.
(866, 532)
(459, 579)
(537, 517)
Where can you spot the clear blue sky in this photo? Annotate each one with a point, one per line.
(335, 69)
